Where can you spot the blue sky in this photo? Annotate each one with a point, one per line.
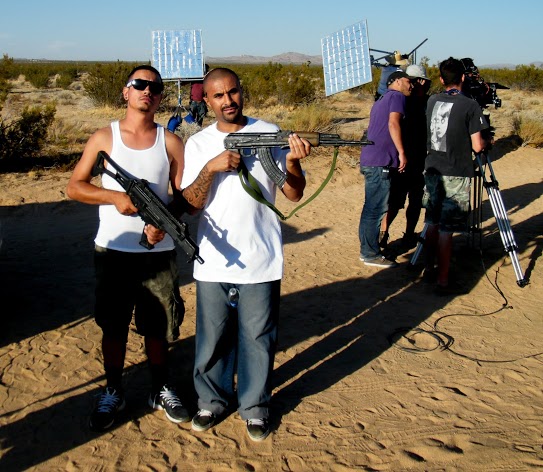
(490, 32)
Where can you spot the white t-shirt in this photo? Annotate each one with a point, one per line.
(238, 237)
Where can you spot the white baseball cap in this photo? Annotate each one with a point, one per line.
(417, 72)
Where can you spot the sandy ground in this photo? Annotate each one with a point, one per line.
(373, 371)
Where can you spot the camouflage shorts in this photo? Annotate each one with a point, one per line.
(447, 202)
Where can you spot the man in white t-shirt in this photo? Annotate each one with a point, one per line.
(238, 285)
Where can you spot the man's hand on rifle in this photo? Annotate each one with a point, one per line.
(294, 186)
(299, 148)
(124, 204)
(226, 161)
(154, 235)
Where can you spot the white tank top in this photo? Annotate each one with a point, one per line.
(121, 232)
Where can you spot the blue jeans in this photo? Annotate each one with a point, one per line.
(377, 191)
(230, 340)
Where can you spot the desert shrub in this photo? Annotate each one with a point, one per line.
(25, 136)
(104, 83)
(528, 78)
(293, 88)
(528, 126)
(6, 74)
(5, 88)
(259, 82)
(66, 135)
(8, 70)
(39, 77)
(270, 83)
(66, 77)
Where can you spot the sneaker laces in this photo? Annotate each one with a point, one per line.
(169, 397)
(204, 413)
(108, 401)
(256, 422)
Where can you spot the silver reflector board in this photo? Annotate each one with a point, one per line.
(346, 58)
(178, 54)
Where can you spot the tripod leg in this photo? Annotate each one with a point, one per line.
(420, 245)
(476, 210)
(506, 233)
(502, 220)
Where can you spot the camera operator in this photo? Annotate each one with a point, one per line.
(455, 124)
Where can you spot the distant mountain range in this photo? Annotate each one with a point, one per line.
(298, 58)
(285, 58)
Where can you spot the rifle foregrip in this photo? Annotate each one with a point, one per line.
(313, 138)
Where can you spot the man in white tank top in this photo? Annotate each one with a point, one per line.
(129, 277)
(238, 286)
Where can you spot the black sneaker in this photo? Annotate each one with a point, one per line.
(381, 261)
(168, 401)
(203, 420)
(110, 401)
(258, 429)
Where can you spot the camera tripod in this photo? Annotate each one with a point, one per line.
(485, 177)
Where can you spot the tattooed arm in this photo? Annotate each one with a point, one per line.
(197, 192)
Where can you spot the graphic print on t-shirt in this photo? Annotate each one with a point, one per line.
(439, 124)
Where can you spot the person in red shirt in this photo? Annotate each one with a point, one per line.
(197, 105)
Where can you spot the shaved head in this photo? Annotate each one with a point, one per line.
(218, 74)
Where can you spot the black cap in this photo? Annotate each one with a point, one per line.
(400, 74)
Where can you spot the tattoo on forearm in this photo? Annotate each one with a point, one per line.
(197, 192)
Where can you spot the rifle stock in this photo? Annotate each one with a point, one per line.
(151, 208)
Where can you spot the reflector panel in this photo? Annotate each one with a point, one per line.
(346, 58)
(178, 54)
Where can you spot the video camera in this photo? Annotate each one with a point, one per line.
(475, 86)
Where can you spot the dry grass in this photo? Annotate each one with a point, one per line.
(528, 125)
(523, 114)
(68, 136)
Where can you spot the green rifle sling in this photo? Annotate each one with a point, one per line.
(251, 186)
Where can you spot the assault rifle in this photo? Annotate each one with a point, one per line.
(151, 208)
(248, 143)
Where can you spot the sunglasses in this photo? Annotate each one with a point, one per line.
(141, 84)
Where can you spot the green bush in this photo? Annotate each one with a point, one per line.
(295, 88)
(38, 77)
(105, 82)
(25, 137)
(8, 70)
(5, 88)
(528, 78)
(66, 77)
(289, 85)
(6, 73)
